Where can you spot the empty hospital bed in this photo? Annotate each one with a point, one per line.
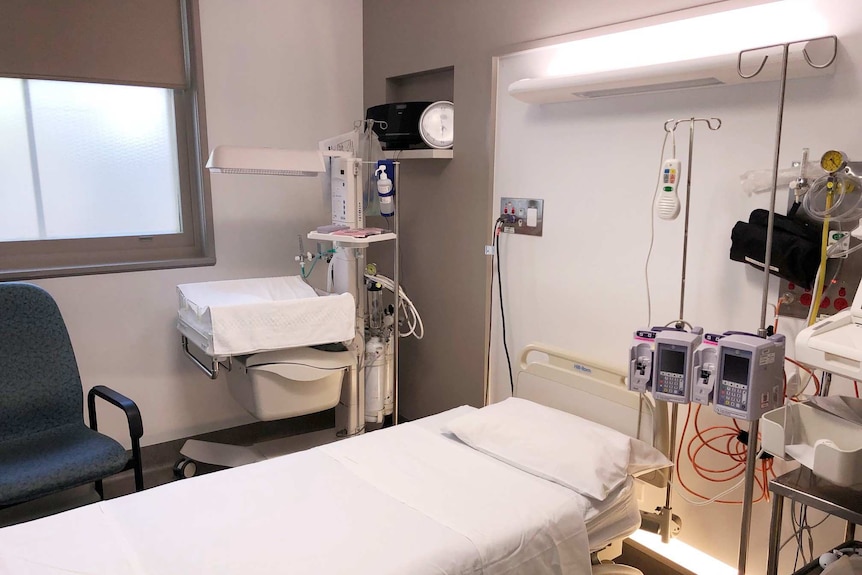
(431, 496)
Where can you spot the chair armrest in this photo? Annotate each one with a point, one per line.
(136, 426)
(133, 414)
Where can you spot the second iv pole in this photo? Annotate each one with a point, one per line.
(754, 427)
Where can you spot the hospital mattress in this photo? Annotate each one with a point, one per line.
(615, 517)
(236, 317)
(406, 499)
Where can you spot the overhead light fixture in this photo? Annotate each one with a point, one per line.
(696, 52)
(265, 161)
(698, 73)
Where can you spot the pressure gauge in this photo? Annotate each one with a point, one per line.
(437, 125)
(833, 161)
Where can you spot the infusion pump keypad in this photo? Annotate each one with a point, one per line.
(734, 395)
(671, 383)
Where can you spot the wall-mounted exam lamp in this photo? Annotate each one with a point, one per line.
(265, 161)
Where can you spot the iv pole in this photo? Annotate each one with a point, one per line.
(666, 512)
(753, 429)
(691, 122)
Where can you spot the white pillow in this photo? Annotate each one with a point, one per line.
(579, 454)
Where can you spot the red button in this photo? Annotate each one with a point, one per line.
(805, 299)
(842, 292)
(825, 303)
(791, 285)
(841, 303)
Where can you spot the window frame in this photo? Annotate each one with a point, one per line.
(194, 246)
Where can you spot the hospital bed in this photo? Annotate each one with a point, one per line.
(412, 498)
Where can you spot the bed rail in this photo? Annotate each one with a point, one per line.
(561, 379)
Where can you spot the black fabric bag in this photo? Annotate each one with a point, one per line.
(795, 246)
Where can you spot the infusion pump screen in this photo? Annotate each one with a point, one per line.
(671, 375)
(733, 389)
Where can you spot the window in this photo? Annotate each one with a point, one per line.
(102, 161)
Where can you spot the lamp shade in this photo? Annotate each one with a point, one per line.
(265, 161)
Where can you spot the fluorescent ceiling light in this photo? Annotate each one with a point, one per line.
(716, 34)
(703, 72)
(265, 161)
(695, 52)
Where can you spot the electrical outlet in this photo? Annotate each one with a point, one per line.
(522, 216)
(839, 237)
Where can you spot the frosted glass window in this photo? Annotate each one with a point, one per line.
(18, 209)
(103, 161)
(102, 146)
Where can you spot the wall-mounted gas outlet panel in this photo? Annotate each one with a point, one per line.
(522, 216)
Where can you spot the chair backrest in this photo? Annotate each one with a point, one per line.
(40, 387)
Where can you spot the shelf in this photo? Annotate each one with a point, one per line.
(349, 240)
(804, 486)
(425, 154)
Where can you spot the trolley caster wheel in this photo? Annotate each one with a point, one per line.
(185, 468)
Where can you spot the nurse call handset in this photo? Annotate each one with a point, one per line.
(668, 200)
(672, 364)
(750, 375)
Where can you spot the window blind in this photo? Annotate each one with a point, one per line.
(136, 42)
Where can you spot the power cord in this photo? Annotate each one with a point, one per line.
(497, 255)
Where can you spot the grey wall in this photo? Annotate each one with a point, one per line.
(445, 205)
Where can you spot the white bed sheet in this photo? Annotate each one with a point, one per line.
(408, 499)
(616, 517)
(235, 317)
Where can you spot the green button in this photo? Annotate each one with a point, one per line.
(668, 188)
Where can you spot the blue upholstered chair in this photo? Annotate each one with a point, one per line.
(44, 444)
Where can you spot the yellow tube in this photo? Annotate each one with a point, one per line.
(821, 274)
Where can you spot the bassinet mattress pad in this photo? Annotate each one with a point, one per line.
(234, 317)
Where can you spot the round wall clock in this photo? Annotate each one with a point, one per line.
(437, 125)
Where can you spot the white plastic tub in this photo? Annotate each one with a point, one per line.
(830, 446)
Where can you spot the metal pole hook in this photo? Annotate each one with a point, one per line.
(786, 45)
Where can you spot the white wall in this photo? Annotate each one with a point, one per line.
(281, 74)
(581, 286)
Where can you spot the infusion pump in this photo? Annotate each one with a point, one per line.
(750, 377)
(661, 360)
(741, 374)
